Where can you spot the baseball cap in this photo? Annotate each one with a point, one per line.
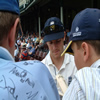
(53, 29)
(10, 6)
(85, 26)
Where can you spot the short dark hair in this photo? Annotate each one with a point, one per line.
(7, 20)
(94, 43)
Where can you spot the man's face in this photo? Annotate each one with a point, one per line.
(78, 57)
(56, 47)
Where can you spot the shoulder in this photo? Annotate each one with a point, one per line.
(74, 91)
(88, 74)
(33, 68)
(89, 80)
(88, 71)
(85, 84)
(46, 59)
(28, 77)
(69, 56)
(31, 64)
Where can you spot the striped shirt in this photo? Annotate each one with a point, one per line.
(85, 85)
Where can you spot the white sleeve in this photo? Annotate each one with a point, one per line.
(74, 91)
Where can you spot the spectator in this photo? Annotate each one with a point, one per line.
(18, 41)
(29, 43)
(85, 43)
(41, 45)
(24, 53)
(20, 80)
(32, 51)
(23, 42)
(16, 53)
(41, 40)
(37, 40)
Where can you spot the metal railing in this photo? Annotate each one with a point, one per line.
(25, 4)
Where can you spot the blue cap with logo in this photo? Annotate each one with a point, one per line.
(85, 26)
(10, 6)
(53, 29)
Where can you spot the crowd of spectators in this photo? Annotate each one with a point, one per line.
(30, 47)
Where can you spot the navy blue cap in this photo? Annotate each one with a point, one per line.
(85, 26)
(10, 6)
(58, 31)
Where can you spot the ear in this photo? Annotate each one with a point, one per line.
(86, 51)
(12, 33)
(64, 35)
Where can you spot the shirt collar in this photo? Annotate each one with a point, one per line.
(49, 61)
(66, 59)
(4, 54)
(96, 64)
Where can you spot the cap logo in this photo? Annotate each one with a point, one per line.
(52, 27)
(99, 20)
(52, 23)
(77, 28)
(77, 33)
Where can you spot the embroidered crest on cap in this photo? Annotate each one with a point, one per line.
(77, 33)
(52, 23)
(77, 29)
(99, 20)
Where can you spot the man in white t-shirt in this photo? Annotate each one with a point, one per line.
(54, 38)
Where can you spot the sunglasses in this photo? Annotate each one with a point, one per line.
(53, 29)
